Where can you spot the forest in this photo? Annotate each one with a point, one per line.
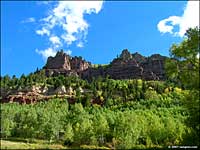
(113, 114)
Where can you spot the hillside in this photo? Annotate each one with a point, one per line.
(63, 67)
(81, 74)
(67, 111)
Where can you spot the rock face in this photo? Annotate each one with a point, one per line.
(126, 55)
(131, 66)
(78, 64)
(126, 66)
(33, 94)
(60, 61)
(64, 64)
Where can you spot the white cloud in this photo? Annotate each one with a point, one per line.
(164, 28)
(43, 31)
(190, 18)
(69, 17)
(50, 52)
(29, 20)
(80, 44)
(55, 40)
(68, 38)
(46, 53)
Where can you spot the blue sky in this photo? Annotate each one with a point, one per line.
(31, 31)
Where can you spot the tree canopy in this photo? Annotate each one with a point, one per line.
(184, 69)
(184, 65)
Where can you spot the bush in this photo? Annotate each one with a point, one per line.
(151, 95)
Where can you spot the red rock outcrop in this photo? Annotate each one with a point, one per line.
(60, 61)
(65, 65)
(131, 66)
(126, 66)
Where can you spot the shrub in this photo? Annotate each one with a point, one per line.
(151, 95)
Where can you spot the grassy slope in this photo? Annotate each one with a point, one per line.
(38, 144)
(22, 145)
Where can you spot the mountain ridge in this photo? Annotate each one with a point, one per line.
(126, 66)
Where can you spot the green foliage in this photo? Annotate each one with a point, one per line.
(100, 65)
(6, 126)
(69, 134)
(136, 123)
(192, 104)
(151, 95)
(33, 121)
(183, 69)
(135, 113)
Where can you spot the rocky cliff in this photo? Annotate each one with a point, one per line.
(131, 66)
(65, 64)
(126, 66)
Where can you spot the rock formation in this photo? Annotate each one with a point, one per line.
(65, 64)
(126, 66)
(131, 66)
(60, 61)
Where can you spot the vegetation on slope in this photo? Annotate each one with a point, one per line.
(130, 114)
(124, 126)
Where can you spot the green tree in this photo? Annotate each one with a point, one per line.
(184, 69)
(5, 81)
(184, 65)
(69, 134)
